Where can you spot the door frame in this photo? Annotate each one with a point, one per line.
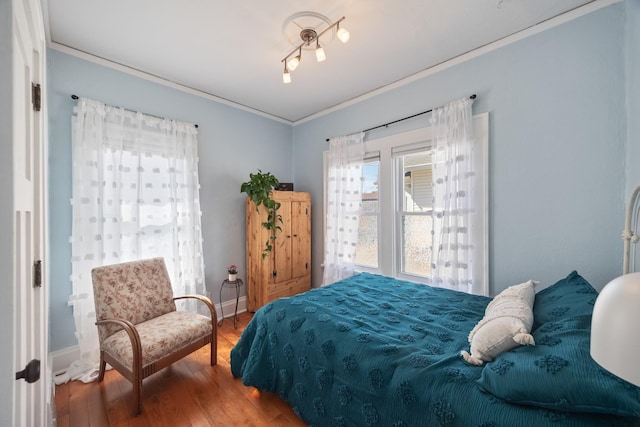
(28, 404)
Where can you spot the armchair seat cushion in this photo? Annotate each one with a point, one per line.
(159, 336)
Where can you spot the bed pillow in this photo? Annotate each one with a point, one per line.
(506, 324)
(559, 374)
(570, 296)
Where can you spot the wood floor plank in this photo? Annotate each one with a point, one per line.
(95, 403)
(63, 421)
(62, 401)
(190, 397)
(78, 408)
(120, 405)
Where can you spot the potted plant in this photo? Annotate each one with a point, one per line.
(259, 188)
(233, 272)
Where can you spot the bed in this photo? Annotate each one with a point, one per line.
(370, 350)
(375, 351)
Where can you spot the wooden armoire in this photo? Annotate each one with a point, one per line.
(286, 270)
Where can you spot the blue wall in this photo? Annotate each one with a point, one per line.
(232, 143)
(561, 106)
(632, 27)
(557, 145)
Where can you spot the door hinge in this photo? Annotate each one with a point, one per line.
(36, 96)
(306, 265)
(37, 274)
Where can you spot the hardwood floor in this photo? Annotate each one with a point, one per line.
(188, 393)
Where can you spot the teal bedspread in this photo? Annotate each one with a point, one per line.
(375, 351)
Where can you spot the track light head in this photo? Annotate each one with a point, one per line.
(342, 33)
(286, 77)
(320, 55)
(293, 63)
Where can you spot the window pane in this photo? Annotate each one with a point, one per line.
(416, 244)
(417, 183)
(367, 249)
(415, 214)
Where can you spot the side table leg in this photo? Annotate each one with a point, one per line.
(221, 309)
(235, 313)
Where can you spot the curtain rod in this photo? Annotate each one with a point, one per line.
(403, 119)
(75, 97)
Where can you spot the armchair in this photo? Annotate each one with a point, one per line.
(139, 328)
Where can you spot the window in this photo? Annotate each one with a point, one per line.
(395, 228)
(135, 195)
(413, 212)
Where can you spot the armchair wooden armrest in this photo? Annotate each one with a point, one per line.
(136, 369)
(214, 322)
(205, 300)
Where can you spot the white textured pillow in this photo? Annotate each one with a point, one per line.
(506, 323)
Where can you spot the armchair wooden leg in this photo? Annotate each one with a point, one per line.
(214, 338)
(103, 366)
(137, 396)
(136, 382)
(136, 377)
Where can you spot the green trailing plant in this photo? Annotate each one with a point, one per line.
(259, 188)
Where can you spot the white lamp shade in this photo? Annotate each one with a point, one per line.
(286, 77)
(320, 55)
(292, 63)
(615, 340)
(343, 35)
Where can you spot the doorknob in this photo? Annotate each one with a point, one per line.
(31, 372)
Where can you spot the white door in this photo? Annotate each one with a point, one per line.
(23, 229)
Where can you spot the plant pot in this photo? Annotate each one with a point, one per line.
(233, 277)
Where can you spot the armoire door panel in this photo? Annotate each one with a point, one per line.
(301, 239)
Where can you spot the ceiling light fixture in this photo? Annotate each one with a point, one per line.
(308, 36)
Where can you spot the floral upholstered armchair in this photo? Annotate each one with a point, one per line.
(139, 328)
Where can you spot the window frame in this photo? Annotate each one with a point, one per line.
(399, 212)
(387, 149)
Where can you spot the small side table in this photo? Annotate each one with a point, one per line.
(227, 284)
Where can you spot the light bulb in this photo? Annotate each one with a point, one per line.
(320, 56)
(343, 35)
(292, 64)
(286, 77)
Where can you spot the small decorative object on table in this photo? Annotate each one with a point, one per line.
(285, 186)
(233, 272)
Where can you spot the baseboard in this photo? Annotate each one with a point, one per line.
(230, 306)
(61, 359)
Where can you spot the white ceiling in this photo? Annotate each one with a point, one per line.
(233, 49)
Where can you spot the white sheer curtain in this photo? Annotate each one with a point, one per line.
(453, 197)
(344, 200)
(135, 195)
